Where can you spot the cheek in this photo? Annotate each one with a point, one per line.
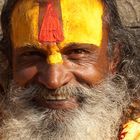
(89, 74)
(23, 76)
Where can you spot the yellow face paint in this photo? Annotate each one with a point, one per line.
(25, 30)
(25, 23)
(54, 56)
(82, 23)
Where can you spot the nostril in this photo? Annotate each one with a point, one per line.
(54, 76)
(53, 84)
(54, 81)
(49, 83)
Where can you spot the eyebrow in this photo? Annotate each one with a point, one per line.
(79, 45)
(31, 47)
(68, 46)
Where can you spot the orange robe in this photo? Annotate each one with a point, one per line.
(131, 130)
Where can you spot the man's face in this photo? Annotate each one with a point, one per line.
(60, 70)
(74, 55)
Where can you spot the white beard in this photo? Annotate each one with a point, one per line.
(98, 119)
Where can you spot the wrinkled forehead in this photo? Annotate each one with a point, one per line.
(60, 21)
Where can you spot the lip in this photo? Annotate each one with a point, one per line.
(66, 104)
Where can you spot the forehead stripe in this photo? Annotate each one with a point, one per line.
(24, 23)
(82, 21)
(51, 30)
(32, 22)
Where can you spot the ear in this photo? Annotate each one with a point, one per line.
(115, 59)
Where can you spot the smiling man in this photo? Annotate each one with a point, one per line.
(71, 70)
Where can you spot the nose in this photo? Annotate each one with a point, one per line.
(54, 76)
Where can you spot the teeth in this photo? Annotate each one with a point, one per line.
(56, 97)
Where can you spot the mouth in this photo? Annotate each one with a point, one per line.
(57, 101)
(58, 97)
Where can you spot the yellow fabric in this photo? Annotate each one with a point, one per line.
(132, 130)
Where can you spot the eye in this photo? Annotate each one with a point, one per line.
(77, 54)
(78, 51)
(32, 54)
(29, 58)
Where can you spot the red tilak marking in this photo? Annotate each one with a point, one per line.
(51, 30)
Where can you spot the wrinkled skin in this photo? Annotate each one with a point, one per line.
(85, 64)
